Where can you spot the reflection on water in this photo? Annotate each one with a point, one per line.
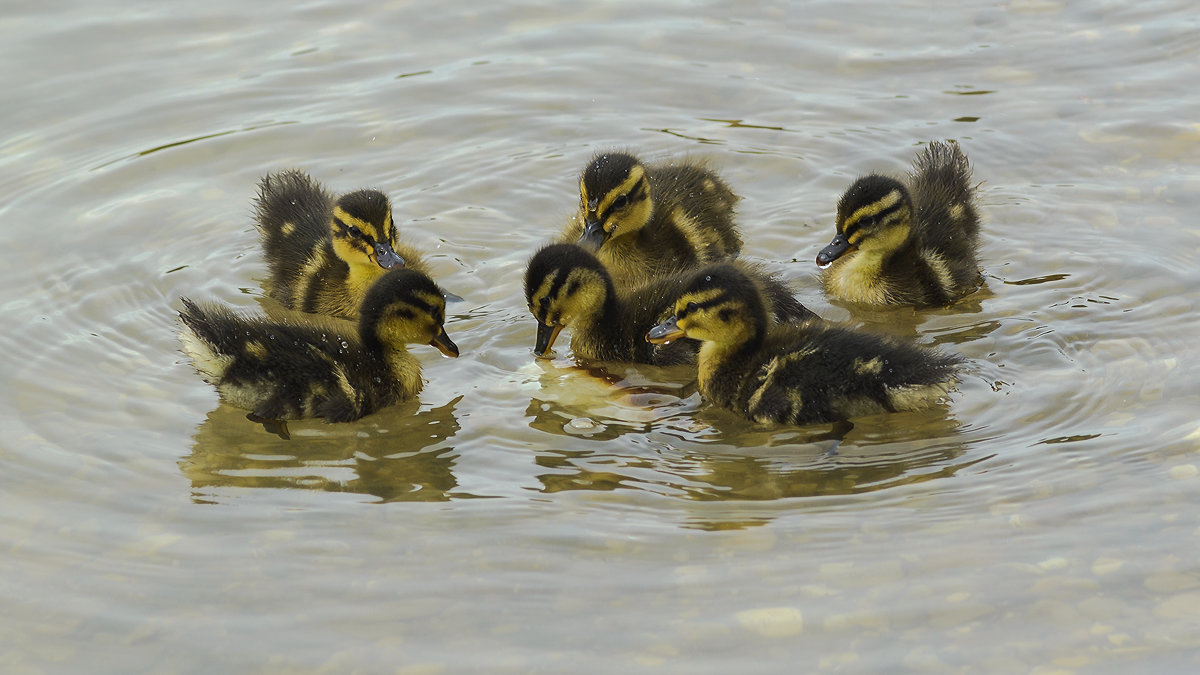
(412, 463)
(603, 401)
(661, 424)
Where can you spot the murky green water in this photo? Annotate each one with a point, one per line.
(1045, 520)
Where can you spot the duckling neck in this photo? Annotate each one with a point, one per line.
(406, 369)
(722, 367)
(360, 276)
(394, 360)
(595, 333)
(865, 275)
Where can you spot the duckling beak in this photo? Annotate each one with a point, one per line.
(444, 344)
(833, 251)
(386, 257)
(665, 332)
(546, 335)
(593, 235)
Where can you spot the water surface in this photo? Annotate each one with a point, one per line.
(527, 516)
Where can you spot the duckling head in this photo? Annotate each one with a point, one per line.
(614, 198)
(720, 304)
(363, 232)
(405, 307)
(563, 284)
(874, 216)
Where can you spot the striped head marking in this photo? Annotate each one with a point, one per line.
(720, 305)
(406, 307)
(614, 198)
(875, 212)
(563, 284)
(363, 230)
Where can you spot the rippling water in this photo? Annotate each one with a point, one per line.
(600, 519)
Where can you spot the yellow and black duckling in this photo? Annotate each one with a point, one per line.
(906, 245)
(646, 220)
(565, 285)
(796, 373)
(288, 370)
(323, 253)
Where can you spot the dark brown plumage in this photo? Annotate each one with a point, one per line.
(643, 221)
(287, 370)
(795, 373)
(906, 245)
(565, 285)
(324, 253)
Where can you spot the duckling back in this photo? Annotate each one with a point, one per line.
(288, 370)
(697, 204)
(795, 373)
(819, 372)
(282, 370)
(947, 221)
(292, 214)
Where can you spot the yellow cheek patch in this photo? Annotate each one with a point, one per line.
(871, 367)
(256, 349)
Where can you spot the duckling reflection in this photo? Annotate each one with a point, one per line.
(410, 459)
(606, 400)
(827, 460)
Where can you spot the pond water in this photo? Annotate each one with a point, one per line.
(527, 516)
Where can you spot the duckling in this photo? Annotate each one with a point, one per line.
(323, 253)
(906, 245)
(566, 285)
(646, 220)
(288, 370)
(795, 373)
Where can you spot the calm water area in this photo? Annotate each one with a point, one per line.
(528, 516)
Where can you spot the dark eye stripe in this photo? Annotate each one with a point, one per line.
(638, 192)
(697, 306)
(880, 217)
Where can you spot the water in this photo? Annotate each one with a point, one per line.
(527, 516)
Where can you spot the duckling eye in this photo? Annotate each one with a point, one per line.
(621, 202)
(353, 231)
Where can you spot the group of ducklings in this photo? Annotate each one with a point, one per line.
(647, 272)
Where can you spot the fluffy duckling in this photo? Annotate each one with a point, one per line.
(795, 373)
(286, 370)
(646, 220)
(565, 285)
(323, 253)
(906, 245)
